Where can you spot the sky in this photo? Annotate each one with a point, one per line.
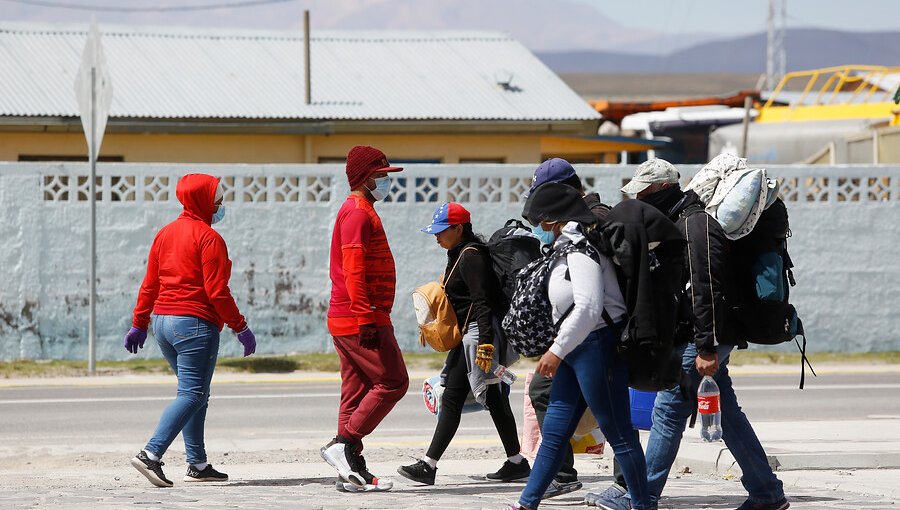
(746, 16)
(634, 26)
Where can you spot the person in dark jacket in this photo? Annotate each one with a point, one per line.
(709, 287)
(561, 171)
(474, 293)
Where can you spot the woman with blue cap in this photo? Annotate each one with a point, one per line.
(474, 293)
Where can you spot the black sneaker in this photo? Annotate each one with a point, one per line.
(781, 504)
(207, 474)
(340, 454)
(568, 476)
(152, 469)
(511, 472)
(419, 472)
(558, 489)
(373, 483)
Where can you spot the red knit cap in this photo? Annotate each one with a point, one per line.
(363, 161)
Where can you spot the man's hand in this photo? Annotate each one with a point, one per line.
(707, 364)
(483, 357)
(548, 365)
(368, 336)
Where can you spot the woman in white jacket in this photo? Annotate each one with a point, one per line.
(582, 360)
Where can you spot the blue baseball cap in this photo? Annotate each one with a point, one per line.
(552, 170)
(447, 215)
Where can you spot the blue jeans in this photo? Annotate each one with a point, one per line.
(191, 346)
(592, 375)
(670, 415)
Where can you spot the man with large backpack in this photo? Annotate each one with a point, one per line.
(561, 171)
(708, 293)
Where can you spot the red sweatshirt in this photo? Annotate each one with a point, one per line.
(188, 267)
(363, 278)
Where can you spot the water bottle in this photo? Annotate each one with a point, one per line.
(505, 375)
(708, 407)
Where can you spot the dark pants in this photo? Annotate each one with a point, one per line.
(372, 382)
(539, 392)
(456, 390)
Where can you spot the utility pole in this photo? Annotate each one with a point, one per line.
(776, 59)
(306, 57)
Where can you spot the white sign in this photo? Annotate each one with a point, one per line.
(93, 88)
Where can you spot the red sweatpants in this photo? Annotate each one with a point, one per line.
(372, 382)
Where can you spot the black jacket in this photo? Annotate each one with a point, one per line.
(631, 228)
(598, 208)
(474, 284)
(710, 282)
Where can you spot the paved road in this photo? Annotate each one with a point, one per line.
(67, 446)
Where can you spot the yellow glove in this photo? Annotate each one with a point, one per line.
(483, 357)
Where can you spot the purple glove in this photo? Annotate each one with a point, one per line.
(248, 340)
(134, 340)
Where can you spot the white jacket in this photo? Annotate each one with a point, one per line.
(590, 286)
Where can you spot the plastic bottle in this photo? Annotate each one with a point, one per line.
(505, 374)
(708, 408)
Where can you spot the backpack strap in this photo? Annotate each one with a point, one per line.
(444, 281)
(603, 312)
(458, 259)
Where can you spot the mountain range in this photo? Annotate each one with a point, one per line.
(807, 48)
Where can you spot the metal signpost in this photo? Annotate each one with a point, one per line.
(93, 89)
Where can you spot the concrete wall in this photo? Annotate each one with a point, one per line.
(278, 227)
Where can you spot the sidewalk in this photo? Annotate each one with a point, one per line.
(310, 486)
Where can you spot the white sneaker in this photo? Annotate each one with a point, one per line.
(378, 486)
(341, 458)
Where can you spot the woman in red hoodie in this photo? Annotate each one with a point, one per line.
(186, 289)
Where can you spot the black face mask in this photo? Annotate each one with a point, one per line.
(665, 199)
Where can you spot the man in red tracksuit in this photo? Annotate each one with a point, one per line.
(363, 281)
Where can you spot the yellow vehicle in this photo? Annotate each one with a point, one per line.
(834, 93)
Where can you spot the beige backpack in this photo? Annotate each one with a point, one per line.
(438, 325)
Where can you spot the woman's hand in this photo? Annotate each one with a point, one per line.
(548, 365)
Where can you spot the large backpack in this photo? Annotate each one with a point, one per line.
(763, 277)
(649, 255)
(438, 324)
(528, 325)
(512, 247)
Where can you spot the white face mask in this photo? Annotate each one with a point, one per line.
(382, 188)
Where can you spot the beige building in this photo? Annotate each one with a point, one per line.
(240, 97)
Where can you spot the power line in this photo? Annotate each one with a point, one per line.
(112, 8)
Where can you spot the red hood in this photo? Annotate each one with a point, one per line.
(197, 193)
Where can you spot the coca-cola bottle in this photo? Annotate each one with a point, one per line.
(708, 407)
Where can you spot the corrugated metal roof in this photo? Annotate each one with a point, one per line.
(234, 74)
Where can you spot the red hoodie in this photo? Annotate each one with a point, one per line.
(188, 268)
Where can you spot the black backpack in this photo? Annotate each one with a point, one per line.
(509, 254)
(763, 277)
(528, 325)
(649, 254)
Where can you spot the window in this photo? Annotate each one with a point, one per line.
(42, 157)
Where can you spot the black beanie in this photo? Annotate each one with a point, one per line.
(558, 202)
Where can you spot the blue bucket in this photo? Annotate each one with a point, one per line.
(641, 408)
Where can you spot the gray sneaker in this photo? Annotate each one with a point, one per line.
(614, 491)
(558, 489)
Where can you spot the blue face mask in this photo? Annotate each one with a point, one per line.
(382, 188)
(219, 215)
(546, 236)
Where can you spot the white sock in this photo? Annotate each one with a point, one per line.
(432, 463)
(515, 459)
(200, 466)
(152, 456)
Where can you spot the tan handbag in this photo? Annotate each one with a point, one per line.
(438, 325)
